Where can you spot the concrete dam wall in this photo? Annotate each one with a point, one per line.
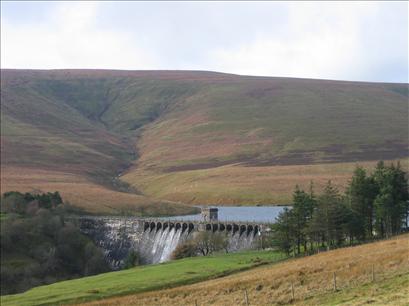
(156, 239)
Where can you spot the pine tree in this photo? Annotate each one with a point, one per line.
(400, 197)
(361, 193)
(391, 202)
(283, 231)
(329, 218)
(301, 213)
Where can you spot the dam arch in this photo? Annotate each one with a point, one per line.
(245, 228)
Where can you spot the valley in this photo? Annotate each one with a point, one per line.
(172, 153)
(150, 142)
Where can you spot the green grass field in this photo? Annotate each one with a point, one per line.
(141, 279)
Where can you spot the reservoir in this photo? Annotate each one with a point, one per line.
(262, 214)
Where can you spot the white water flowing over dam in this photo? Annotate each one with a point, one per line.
(158, 246)
(155, 240)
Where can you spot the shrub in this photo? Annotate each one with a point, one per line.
(132, 260)
(184, 250)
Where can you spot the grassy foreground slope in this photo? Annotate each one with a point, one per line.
(392, 292)
(141, 279)
(312, 279)
(96, 124)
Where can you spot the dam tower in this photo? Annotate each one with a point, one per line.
(210, 214)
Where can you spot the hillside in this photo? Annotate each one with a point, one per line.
(141, 279)
(312, 279)
(172, 132)
(267, 280)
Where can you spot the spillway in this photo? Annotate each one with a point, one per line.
(155, 241)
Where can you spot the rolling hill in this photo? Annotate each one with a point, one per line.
(144, 137)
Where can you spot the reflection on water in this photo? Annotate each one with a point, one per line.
(265, 214)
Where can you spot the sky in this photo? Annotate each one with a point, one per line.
(359, 41)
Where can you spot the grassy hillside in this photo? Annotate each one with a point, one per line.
(278, 121)
(312, 279)
(141, 279)
(238, 184)
(83, 192)
(53, 135)
(266, 283)
(96, 124)
(392, 292)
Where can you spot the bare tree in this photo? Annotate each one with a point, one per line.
(208, 242)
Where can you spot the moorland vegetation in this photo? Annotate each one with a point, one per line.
(142, 137)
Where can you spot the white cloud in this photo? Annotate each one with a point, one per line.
(70, 39)
(304, 57)
(336, 40)
(322, 40)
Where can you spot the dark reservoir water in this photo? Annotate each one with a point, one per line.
(264, 214)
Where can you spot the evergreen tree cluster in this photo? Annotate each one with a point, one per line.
(373, 206)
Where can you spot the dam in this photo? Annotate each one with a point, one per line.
(155, 239)
(213, 226)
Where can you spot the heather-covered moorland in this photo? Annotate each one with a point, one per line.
(142, 137)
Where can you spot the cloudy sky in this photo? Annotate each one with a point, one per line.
(365, 41)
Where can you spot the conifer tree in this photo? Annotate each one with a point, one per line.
(328, 219)
(301, 213)
(283, 232)
(361, 193)
(391, 202)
